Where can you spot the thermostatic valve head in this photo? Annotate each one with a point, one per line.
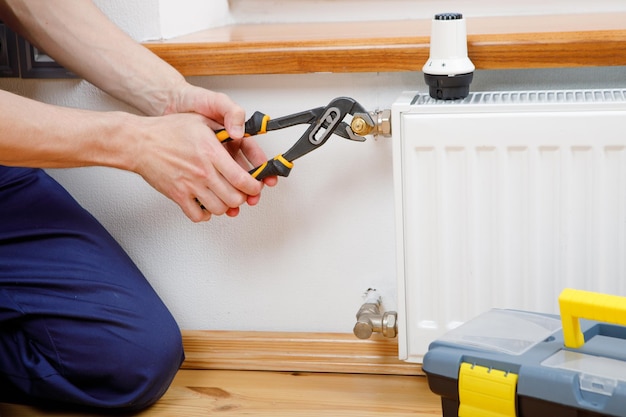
(448, 87)
(448, 71)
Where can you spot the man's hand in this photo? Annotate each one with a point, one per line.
(179, 155)
(221, 111)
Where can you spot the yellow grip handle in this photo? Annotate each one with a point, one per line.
(578, 304)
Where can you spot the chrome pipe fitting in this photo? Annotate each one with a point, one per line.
(370, 319)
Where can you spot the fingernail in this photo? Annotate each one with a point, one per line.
(236, 131)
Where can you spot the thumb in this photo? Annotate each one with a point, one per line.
(216, 106)
(235, 128)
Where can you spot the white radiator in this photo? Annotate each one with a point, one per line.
(502, 200)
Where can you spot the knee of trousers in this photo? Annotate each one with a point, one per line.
(143, 373)
(125, 370)
(113, 369)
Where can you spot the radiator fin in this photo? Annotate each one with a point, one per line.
(529, 97)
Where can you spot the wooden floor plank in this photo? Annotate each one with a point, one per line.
(236, 393)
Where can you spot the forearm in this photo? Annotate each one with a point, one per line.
(78, 36)
(177, 154)
(35, 134)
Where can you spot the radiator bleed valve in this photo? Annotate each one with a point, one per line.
(370, 319)
(381, 127)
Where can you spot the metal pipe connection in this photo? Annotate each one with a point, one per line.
(370, 319)
(381, 127)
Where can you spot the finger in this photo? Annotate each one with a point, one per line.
(232, 212)
(239, 178)
(222, 109)
(208, 212)
(252, 152)
(253, 200)
(234, 124)
(250, 155)
(234, 116)
(195, 211)
(270, 181)
(211, 203)
(227, 193)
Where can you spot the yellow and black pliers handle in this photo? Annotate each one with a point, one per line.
(323, 122)
(255, 125)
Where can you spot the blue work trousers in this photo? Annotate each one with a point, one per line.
(79, 324)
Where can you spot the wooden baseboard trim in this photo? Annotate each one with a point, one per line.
(293, 352)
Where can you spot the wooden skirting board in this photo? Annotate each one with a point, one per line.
(293, 352)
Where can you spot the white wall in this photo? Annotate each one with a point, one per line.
(162, 19)
(256, 11)
(301, 259)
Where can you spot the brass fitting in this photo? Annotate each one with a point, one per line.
(381, 126)
(360, 126)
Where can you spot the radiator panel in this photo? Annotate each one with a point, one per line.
(503, 200)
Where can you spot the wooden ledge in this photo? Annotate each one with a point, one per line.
(511, 42)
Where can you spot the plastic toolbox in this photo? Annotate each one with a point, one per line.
(517, 363)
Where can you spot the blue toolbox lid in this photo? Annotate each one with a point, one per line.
(492, 337)
(505, 331)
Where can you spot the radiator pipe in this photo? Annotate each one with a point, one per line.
(370, 319)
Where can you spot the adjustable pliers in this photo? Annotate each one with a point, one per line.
(323, 121)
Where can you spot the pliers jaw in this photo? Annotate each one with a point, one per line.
(323, 121)
(328, 122)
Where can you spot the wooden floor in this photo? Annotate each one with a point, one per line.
(258, 393)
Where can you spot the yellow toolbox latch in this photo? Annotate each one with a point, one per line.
(486, 392)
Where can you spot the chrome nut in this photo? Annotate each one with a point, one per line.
(383, 122)
(363, 330)
(390, 324)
